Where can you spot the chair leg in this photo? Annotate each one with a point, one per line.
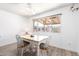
(18, 51)
(22, 51)
(47, 53)
(44, 53)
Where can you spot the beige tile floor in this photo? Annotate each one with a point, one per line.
(11, 50)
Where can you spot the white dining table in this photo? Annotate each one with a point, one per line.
(36, 38)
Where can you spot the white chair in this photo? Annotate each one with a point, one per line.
(21, 45)
(44, 47)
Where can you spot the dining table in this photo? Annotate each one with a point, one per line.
(34, 39)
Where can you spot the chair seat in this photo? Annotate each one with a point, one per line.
(44, 49)
(22, 46)
(25, 44)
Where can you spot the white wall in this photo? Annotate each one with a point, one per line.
(68, 38)
(10, 25)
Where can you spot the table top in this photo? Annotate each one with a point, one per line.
(34, 38)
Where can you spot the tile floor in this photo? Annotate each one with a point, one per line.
(11, 50)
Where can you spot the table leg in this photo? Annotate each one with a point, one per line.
(38, 49)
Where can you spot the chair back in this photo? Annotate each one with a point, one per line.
(43, 46)
(19, 40)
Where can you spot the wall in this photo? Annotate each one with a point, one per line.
(10, 25)
(68, 38)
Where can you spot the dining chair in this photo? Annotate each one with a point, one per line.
(22, 46)
(43, 49)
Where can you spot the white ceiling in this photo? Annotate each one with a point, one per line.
(27, 9)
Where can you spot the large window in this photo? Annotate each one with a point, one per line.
(47, 24)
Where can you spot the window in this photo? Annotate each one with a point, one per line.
(47, 24)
